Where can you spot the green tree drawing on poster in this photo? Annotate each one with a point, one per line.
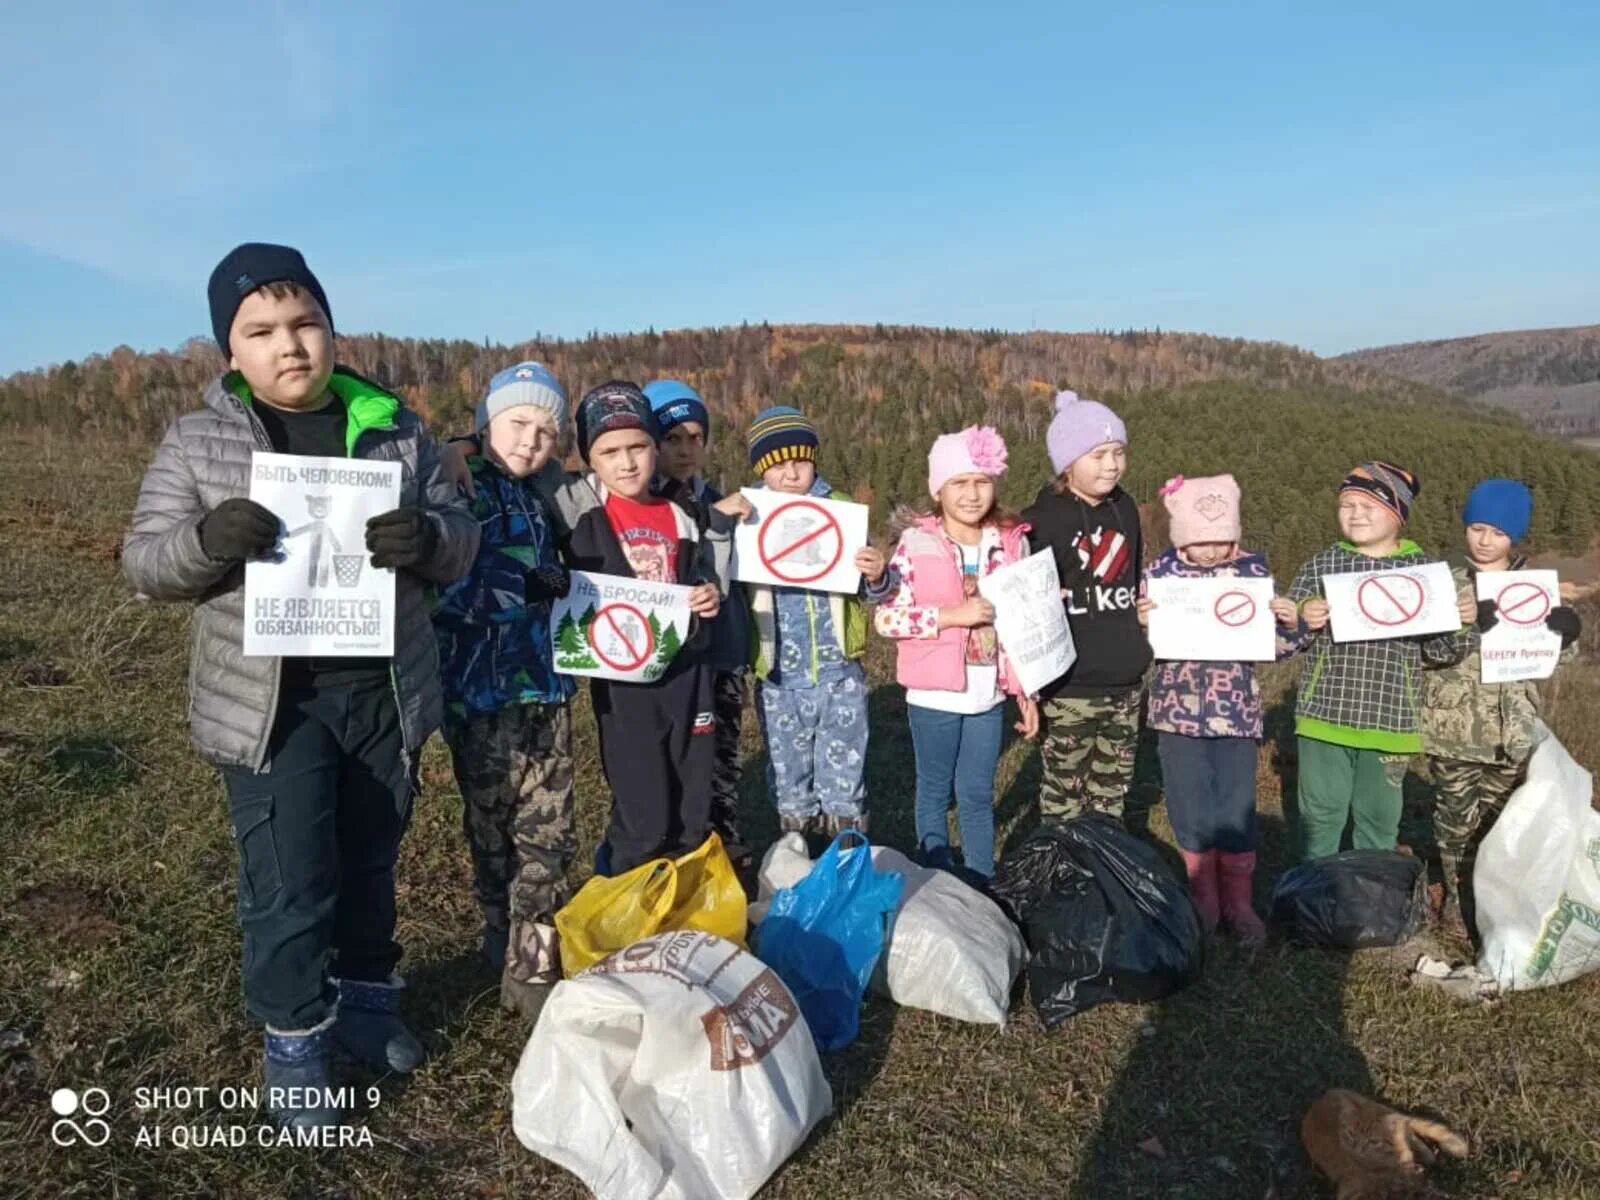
(668, 644)
(572, 642)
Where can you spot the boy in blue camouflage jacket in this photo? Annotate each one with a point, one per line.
(508, 720)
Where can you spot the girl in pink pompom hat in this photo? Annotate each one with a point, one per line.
(1207, 714)
(949, 660)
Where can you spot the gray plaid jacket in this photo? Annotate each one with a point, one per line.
(1364, 694)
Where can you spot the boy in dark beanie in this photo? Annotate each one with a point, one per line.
(657, 740)
(318, 755)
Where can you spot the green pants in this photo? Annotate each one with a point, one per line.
(1338, 784)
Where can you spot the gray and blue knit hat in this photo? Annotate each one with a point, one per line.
(526, 383)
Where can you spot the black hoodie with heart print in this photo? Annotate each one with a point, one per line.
(1097, 550)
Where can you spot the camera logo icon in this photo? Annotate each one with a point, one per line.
(93, 1104)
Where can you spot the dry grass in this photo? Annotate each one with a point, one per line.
(118, 969)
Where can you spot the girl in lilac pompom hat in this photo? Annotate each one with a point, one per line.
(949, 658)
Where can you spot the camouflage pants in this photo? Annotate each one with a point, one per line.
(1468, 798)
(1088, 753)
(727, 696)
(514, 768)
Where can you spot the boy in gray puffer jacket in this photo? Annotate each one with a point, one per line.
(318, 755)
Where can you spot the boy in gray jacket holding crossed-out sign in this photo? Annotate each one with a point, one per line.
(318, 755)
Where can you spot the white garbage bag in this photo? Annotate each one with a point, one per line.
(677, 1069)
(951, 950)
(1537, 879)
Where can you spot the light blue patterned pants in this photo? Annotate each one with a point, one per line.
(817, 745)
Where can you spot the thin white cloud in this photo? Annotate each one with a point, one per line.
(133, 131)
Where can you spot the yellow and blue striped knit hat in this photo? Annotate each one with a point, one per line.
(781, 434)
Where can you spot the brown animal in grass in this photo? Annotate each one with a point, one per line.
(1371, 1151)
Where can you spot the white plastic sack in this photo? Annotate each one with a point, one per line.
(951, 950)
(1537, 880)
(679, 1069)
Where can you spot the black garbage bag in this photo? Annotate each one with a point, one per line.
(1352, 900)
(1104, 916)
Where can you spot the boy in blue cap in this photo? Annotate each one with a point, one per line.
(685, 426)
(507, 715)
(1478, 736)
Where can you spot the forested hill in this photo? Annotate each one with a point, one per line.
(1286, 422)
(1549, 377)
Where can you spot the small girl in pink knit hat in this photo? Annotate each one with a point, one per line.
(1207, 715)
(950, 662)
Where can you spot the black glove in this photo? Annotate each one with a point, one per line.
(1564, 620)
(549, 582)
(403, 537)
(238, 529)
(1488, 617)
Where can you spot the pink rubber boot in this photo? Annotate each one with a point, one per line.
(1235, 873)
(1202, 870)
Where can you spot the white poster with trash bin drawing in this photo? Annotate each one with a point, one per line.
(320, 595)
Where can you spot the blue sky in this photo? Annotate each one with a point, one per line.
(1329, 175)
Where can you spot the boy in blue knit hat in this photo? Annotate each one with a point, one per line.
(806, 649)
(507, 718)
(685, 427)
(1478, 736)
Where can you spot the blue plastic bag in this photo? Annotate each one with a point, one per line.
(823, 937)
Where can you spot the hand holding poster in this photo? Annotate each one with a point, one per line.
(1030, 620)
(616, 627)
(800, 541)
(322, 596)
(1369, 606)
(1215, 619)
(1519, 645)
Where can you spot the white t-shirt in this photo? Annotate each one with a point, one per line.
(983, 682)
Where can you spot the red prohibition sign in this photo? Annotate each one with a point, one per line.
(1390, 600)
(1523, 603)
(771, 560)
(607, 615)
(1235, 608)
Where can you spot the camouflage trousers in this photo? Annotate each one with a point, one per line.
(514, 768)
(727, 701)
(1088, 753)
(1468, 796)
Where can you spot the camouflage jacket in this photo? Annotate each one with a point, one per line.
(1467, 720)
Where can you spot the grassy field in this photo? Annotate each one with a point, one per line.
(118, 968)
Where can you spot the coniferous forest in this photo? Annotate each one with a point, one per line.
(1287, 423)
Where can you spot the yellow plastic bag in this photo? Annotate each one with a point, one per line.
(698, 891)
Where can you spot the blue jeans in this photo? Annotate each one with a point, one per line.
(1211, 791)
(961, 752)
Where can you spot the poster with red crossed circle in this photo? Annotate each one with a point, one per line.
(1390, 600)
(805, 542)
(621, 638)
(1369, 606)
(1211, 618)
(1523, 603)
(1519, 645)
(1234, 608)
(617, 627)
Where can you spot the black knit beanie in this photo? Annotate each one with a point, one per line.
(248, 267)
